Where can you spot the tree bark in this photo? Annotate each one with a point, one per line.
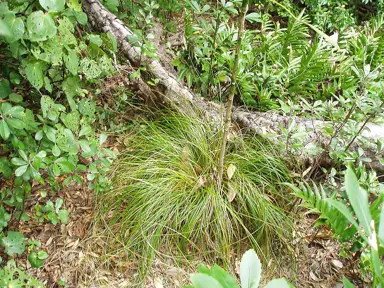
(175, 94)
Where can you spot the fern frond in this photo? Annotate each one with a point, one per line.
(315, 199)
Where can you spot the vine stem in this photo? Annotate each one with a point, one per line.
(229, 104)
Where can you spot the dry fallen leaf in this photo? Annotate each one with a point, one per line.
(230, 171)
(231, 193)
(337, 264)
(158, 282)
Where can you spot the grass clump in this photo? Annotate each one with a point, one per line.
(165, 191)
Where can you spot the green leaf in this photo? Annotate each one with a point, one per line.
(52, 5)
(253, 17)
(15, 78)
(63, 216)
(21, 170)
(71, 61)
(39, 135)
(15, 98)
(18, 162)
(84, 144)
(65, 165)
(16, 26)
(5, 168)
(5, 88)
(204, 281)
(223, 277)
(13, 243)
(95, 39)
(278, 283)
(34, 260)
(40, 26)
(86, 130)
(81, 17)
(112, 5)
(381, 226)
(4, 218)
(34, 72)
(4, 129)
(56, 151)
(42, 255)
(59, 203)
(343, 210)
(41, 154)
(347, 283)
(250, 270)
(4, 29)
(359, 200)
(15, 123)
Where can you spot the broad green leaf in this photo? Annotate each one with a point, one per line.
(18, 162)
(112, 5)
(359, 200)
(15, 123)
(41, 154)
(39, 135)
(71, 61)
(223, 277)
(34, 260)
(4, 217)
(34, 73)
(278, 283)
(5, 168)
(13, 243)
(95, 39)
(347, 283)
(52, 5)
(86, 130)
(21, 170)
(4, 29)
(15, 98)
(4, 129)
(63, 216)
(65, 165)
(40, 26)
(15, 78)
(84, 144)
(204, 281)
(81, 17)
(16, 26)
(253, 17)
(250, 270)
(5, 88)
(56, 151)
(59, 203)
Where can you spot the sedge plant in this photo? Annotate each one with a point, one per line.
(165, 192)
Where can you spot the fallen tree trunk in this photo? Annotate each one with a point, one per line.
(175, 94)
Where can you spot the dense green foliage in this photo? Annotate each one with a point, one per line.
(165, 191)
(47, 117)
(164, 194)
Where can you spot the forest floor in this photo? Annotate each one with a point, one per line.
(78, 254)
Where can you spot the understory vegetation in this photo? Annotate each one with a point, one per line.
(165, 191)
(181, 186)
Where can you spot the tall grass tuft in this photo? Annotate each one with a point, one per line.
(165, 193)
